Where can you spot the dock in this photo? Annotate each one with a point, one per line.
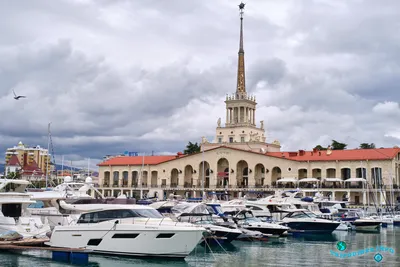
(70, 255)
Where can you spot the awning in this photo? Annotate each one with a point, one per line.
(308, 180)
(356, 180)
(333, 179)
(223, 174)
(288, 180)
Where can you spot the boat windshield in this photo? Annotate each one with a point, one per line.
(302, 214)
(217, 210)
(146, 213)
(106, 215)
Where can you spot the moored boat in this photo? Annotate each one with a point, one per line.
(130, 230)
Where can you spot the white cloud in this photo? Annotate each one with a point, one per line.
(387, 108)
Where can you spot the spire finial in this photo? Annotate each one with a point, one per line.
(241, 84)
(241, 8)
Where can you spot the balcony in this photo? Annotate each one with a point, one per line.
(188, 185)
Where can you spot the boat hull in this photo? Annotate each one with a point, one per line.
(366, 226)
(312, 227)
(271, 231)
(137, 240)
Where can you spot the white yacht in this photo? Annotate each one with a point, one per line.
(14, 215)
(245, 219)
(55, 202)
(304, 221)
(131, 230)
(201, 214)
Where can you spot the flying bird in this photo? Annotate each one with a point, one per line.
(16, 97)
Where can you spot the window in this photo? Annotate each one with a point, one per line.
(253, 207)
(230, 139)
(147, 213)
(94, 242)
(125, 235)
(106, 215)
(165, 235)
(219, 140)
(242, 139)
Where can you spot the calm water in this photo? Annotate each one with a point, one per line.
(292, 251)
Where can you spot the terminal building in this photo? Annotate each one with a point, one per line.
(240, 161)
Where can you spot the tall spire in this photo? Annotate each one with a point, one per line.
(241, 81)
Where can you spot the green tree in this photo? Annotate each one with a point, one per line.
(337, 145)
(191, 148)
(13, 175)
(367, 146)
(319, 147)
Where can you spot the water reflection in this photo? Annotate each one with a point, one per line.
(316, 237)
(105, 261)
(292, 251)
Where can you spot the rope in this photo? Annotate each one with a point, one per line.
(112, 228)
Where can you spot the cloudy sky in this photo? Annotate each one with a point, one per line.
(116, 75)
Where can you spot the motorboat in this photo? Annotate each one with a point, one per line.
(367, 224)
(361, 222)
(74, 197)
(130, 230)
(304, 221)
(201, 214)
(245, 219)
(225, 219)
(14, 215)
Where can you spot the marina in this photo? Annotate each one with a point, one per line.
(236, 200)
(295, 251)
(195, 232)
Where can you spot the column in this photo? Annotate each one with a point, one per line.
(239, 111)
(246, 114)
(251, 116)
(227, 113)
(230, 115)
(254, 116)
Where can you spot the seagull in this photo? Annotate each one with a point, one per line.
(19, 96)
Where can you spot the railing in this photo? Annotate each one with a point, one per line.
(145, 221)
(256, 186)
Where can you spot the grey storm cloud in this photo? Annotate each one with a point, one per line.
(152, 75)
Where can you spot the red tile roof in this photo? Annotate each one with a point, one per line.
(32, 168)
(301, 155)
(347, 154)
(13, 161)
(138, 160)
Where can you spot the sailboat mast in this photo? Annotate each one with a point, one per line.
(62, 167)
(88, 166)
(363, 184)
(141, 178)
(204, 193)
(48, 154)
